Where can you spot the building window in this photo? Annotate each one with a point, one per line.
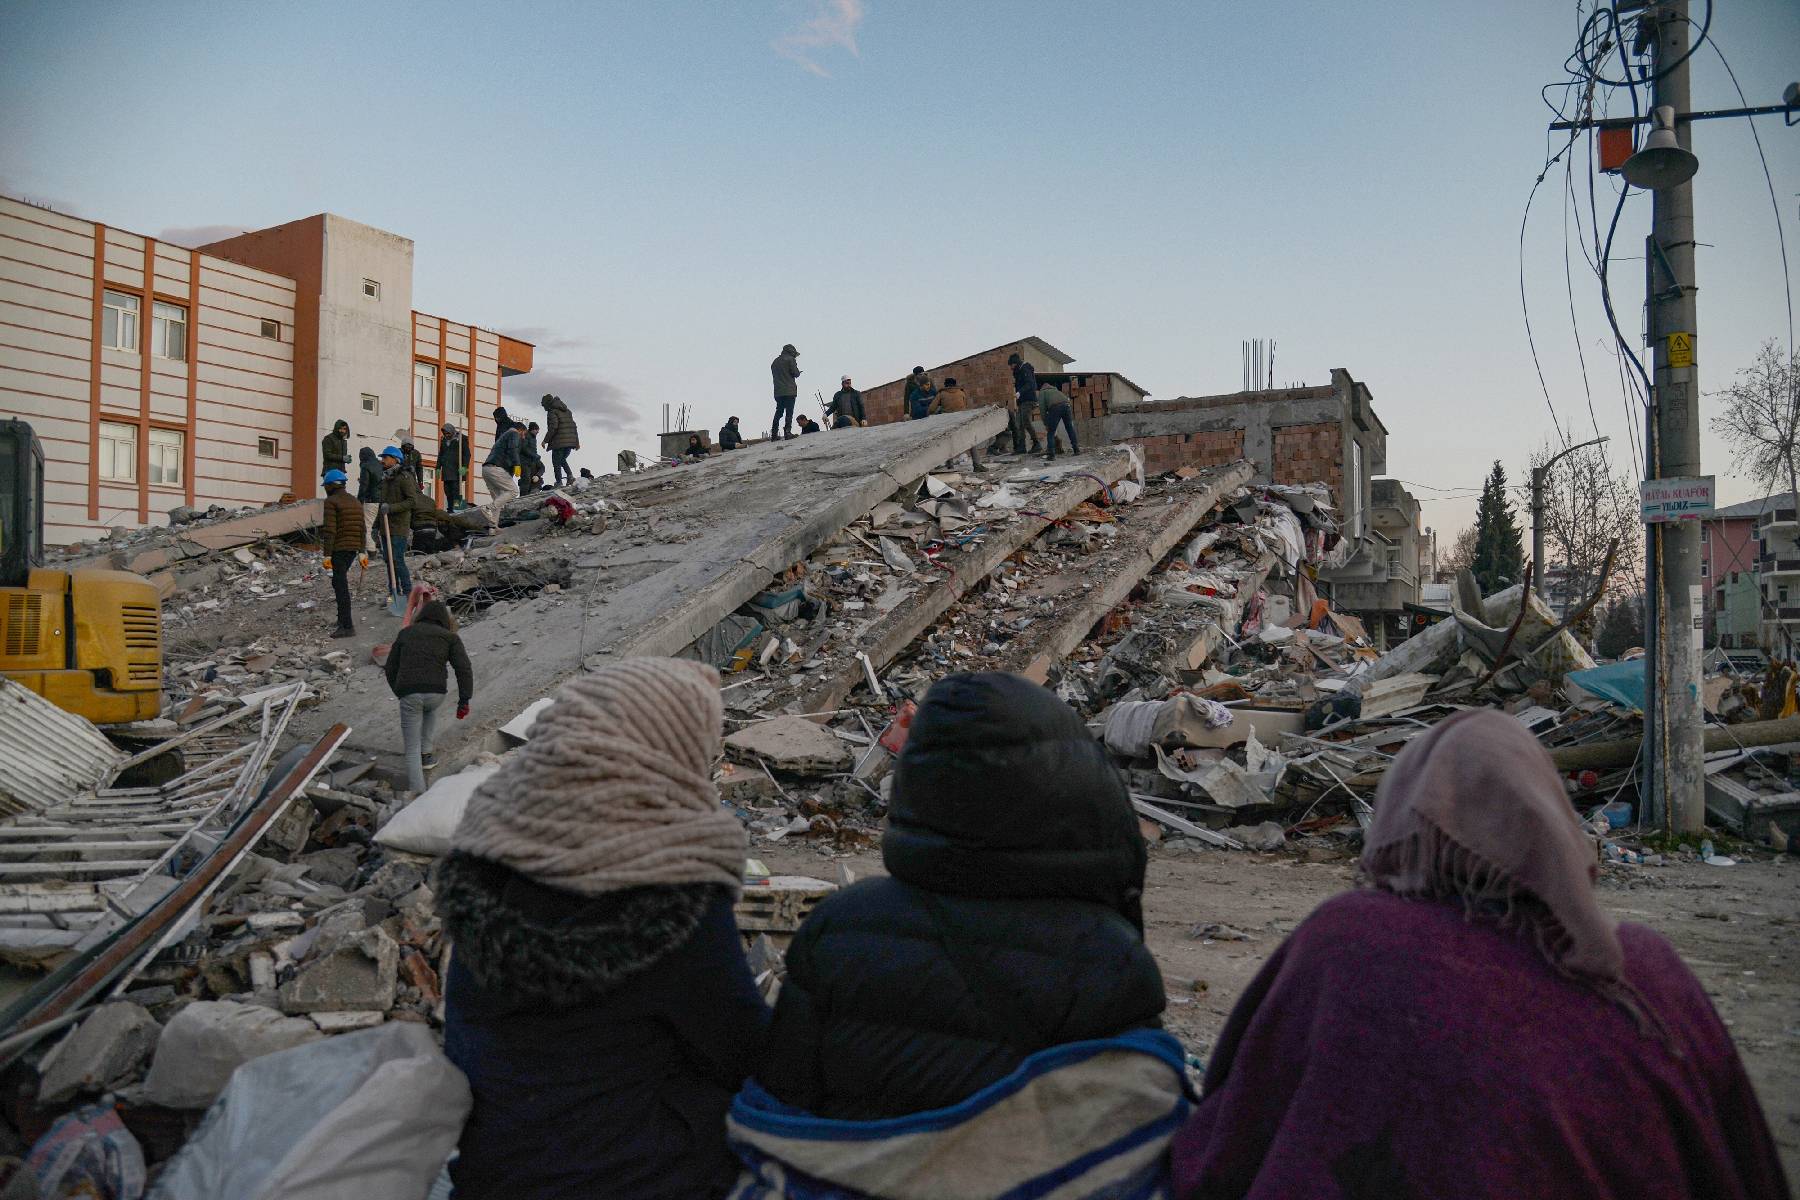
(1704, 568)
(424, 385)
(118, 452)
(119, 321)
(268, 447)
(168, 331)
(271, 330)
(456, 391)
(371, 402)
(165, 456)
(372, 289)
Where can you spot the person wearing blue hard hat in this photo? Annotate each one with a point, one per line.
(341, 537)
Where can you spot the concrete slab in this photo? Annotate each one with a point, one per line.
(792, 744)
(722, 530)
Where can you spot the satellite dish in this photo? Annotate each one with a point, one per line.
(1662, 163)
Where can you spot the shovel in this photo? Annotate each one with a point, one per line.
(396, 602)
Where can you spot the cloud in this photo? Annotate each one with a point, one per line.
(545, 338)
(193, 236)
(832, 25)
(593, 400)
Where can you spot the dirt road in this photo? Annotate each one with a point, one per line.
(1737, 927)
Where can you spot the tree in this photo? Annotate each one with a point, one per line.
(1622, 627)
(1461, 553)
(1760, 419)
(1586, 508)
(1499, 555)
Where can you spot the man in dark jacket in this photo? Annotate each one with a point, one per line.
(368, 490)
(500, 469)
(560, 437)
(417, 663)
(1025, 388)
(502, 421)
(731, 437)
(341, 536)
(531, 478)
(453, 465)
(334, 449)
(786, 372)
(1011, 920)
(400, 499)
(920, 392)
(1057, 411)
(846, 407)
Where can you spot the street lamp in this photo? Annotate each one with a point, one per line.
(1539, 475)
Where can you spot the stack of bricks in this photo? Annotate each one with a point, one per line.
(1090, 400)
(986, 377)
(1310, 454)
(1172, 451)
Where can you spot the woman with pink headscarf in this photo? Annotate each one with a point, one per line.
(1473, 1024)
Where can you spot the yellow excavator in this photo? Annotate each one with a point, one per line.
(88, 641)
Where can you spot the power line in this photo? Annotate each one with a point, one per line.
(1787, 287)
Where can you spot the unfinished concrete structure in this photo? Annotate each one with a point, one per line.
(1380, 583)
(1328, 434)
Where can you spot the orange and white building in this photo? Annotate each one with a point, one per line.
(157, 375)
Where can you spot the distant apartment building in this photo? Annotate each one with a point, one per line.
(1778, 573)
(1380, 584)
(1730, 573)
(157, 375)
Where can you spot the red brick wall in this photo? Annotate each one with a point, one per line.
(1170, 451)
(1310, 454)
(986, 377)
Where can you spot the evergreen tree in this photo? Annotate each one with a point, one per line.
(1499, 552)
(1621, 628)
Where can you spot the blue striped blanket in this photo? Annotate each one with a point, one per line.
(1085, 1121)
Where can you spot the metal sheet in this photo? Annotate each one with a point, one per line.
(48, 756)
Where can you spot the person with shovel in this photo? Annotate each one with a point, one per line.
(400, 498)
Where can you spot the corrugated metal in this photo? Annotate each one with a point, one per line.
(47, 756)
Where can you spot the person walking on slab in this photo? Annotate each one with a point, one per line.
(341, 535)
(560, 439)
(418, 664)
(599, 1001)
(500, 467)
(786, 372)
(1056, 412)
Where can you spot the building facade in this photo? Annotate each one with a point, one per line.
(1380, 583)
(1778, 575)
(1729, 571)
(157, 375)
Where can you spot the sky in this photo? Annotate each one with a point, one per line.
(661, 195)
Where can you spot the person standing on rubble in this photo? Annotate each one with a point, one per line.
(953, 399)
(846, 407)
(786, 372)
(501, 467)
(560, 438)
(599, 1001)
(400, 499)
(1472, 1023)
(1008, 932)
(334, 450)
(920, 392)
(1057, 411)
(531, 478)
(417, 667)
(369, 481)
(1025, 388)
(341, 537)
(453, 465)
(730, 436)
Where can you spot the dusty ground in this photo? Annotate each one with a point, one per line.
(1737, 927)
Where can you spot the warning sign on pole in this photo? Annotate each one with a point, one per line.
(1681, 349)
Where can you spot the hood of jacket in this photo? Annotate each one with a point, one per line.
(556, 404)
(341, 427)
(1001, 792)
(367, 455)
(539, 945)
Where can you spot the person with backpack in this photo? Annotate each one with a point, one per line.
(418, 665)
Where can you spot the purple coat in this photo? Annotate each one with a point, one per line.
(1395, 1048)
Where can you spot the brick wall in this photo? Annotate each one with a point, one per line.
(986, 377)
(1310, 454)
(1171, 451)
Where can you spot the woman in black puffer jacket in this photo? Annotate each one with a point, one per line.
(1012, 921)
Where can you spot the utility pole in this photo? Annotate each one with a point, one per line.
(1677, 387)
(1540, 478)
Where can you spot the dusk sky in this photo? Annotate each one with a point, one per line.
(660, 195)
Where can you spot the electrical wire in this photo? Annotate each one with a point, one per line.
(1569, 286)
(1524, 304)
(1787, 287)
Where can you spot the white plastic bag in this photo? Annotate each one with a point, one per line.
(426, 825)
(375, 1113)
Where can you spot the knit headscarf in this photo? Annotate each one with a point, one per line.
(614, 790)
(1474, 810)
